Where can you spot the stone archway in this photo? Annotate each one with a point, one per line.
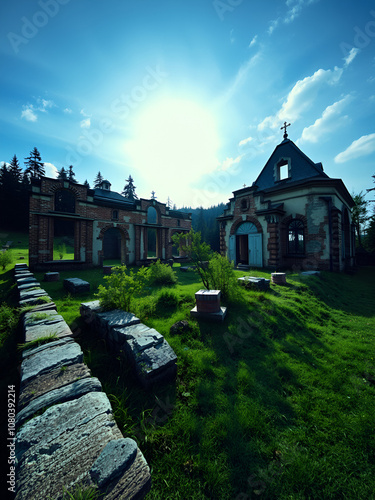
(114, 243)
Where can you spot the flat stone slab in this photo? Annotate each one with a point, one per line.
(254, 282)
(76, 285)
(54, 379)
(117, 318)
(215, 316)
(44, 306)
(310, 273)
(27, 286)
(49, 356)
(66, 393)
(45, 323)
(27, 279)
(22, 265)
(23, 274)
(32, 293)
(57, 449)
(34, 301)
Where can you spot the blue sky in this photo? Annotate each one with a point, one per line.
(188, 97)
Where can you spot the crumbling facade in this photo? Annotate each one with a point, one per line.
(292, 217)
(91, 225)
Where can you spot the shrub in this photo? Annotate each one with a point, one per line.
(8, 321)
(161, 274)
(6, 258)
(168, 299)
(222, 277)
(121, 287)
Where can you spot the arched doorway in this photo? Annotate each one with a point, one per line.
(245, 246)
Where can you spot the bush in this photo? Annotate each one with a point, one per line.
(6, 258)
(222, 277)
(168, 299)
(8, 321)
(121, 287)
(161, 274)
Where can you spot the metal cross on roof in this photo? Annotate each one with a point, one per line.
(285, 127)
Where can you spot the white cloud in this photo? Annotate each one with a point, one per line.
(228, 163)
(301, 97)
(68, 111)
(351, 56)
(253, 41)
(245, 141)
(363, 146)
(295, 9)
(51, 170)
(86, 123)
(28, 113)
(329, 121)
(44, 104)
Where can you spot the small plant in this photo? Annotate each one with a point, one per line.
(61, 249)
(6, 258)
(8, 320)
(38, 316)
(121, 288)
(161, 274)
(37, 342)
(168, 299)
(82, 492)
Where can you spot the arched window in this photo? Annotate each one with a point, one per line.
(115, 214)
(65, 201)
(152, 216)
(296, 237)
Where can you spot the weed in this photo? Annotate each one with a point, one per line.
(161, 274)
(37, 342)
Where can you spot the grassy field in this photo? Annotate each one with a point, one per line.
(278, 402)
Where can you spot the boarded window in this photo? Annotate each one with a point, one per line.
(65, 201)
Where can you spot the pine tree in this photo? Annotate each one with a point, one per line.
(62, 174)
(98, 180)
(86, 184)
(34, 165)
(71, 175)
(15, 170)
(359, 214)
(129, 189)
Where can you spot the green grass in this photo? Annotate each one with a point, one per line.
(277, 402)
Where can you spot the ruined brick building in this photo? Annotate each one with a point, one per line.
(293, 216)
(97, 224)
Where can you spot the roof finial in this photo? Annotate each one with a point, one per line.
(285, 127)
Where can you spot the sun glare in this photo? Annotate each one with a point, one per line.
(174, 139)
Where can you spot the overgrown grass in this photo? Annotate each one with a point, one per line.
(278, 402)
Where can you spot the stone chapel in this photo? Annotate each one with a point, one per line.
(292, 217)
(98, 224)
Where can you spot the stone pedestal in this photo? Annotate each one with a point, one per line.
(278, 278)
(208, 305)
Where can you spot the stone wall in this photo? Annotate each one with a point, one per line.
(66, 434)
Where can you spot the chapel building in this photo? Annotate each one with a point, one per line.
(292, 217)
(92, 225)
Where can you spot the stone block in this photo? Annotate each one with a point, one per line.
(88, 310)
(208, 301)
(155, 364)
(255, 283)
(49, 356)
(27, 286)
(43, 324)
(32, 293)
(278, 278)
(66, 393)
(76, 285)
(209, 316)
(54, 379)
(57, 449)
(117, 456)
(28, 279)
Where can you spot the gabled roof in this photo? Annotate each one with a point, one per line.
(302, 167)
